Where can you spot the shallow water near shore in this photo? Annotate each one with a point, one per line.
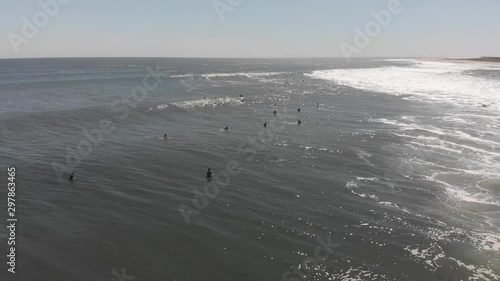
(397, 162)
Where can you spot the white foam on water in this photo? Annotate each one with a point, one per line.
(458, 150)
(199, 103)
(182, 76)
(251, 75)
(358, 274)
(473, 156)
(411, 126)
(353, 186)
(159, 107)
(425, 80)
(365, 156)
(435, 257)
(220, 101)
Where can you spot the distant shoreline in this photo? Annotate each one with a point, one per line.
(488, 60)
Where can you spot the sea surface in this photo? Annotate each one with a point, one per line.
(393, 174)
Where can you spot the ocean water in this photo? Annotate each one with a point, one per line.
(394, 173)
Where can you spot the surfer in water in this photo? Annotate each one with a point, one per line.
(274, 112)
(165, 136)
(225, 129)
(209, 173)
(298, 110)
(72, 177)
(265, 124)
(299, 122)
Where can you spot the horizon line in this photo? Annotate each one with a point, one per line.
(194, 57)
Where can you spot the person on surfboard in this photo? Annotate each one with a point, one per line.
(209, 173)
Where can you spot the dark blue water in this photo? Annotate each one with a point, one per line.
(392, 174)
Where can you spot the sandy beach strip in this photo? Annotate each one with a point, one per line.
(462, 60)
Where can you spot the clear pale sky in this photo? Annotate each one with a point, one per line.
(255, 28)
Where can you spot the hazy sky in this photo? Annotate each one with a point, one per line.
(254, 28)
